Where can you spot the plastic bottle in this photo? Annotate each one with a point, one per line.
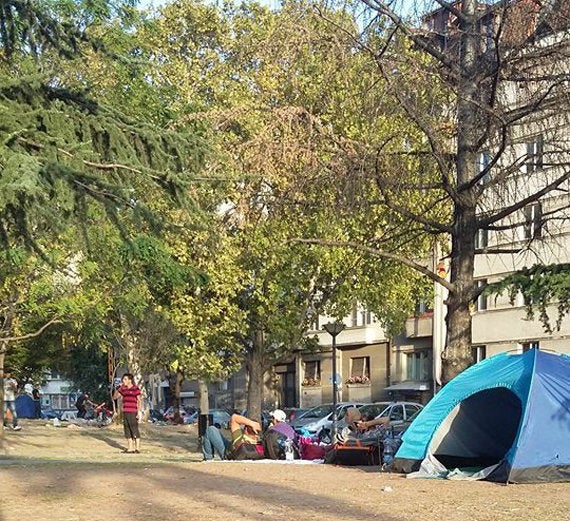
(288, 446)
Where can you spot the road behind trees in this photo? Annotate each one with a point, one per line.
(61, 474)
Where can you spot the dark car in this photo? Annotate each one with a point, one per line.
(220, 417)
(49, 413)
(399, 429)
(184, 410)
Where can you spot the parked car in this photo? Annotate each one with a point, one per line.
(68, 415)
(49, 413)
(314, 420)
(265, 418)
(221, 417)
(293, 412)
(399, 429)
(185, 410)
(398, 412)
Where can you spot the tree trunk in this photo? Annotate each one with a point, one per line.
(457, 355)
(256, 373)
(204, 403)
(2, 356)
(177, 390)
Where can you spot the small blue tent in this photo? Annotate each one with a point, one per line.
(25, 407)
(509, 413)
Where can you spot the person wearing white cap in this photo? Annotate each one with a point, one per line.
(278, 431)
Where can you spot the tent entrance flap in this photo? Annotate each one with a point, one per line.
(479, 431)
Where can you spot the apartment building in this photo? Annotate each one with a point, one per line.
(529, 154)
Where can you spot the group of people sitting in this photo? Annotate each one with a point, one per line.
(248, 442)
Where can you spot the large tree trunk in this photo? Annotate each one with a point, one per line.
(256, 374)
(177, 390)
(204, 399)
(2, 356)
(458, 355)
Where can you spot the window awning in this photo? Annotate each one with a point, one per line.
(409, 386)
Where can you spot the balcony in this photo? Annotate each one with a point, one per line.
(420, 326)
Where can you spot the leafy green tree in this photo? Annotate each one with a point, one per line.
(542, 287)
(63, 150)
(284, 106)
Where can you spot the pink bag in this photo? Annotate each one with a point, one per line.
(312, 451)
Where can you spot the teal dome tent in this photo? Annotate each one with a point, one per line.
(507, 417)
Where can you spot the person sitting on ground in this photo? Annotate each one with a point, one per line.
(245, 438)
(276, 435)
(213, 442)
(243, 444)
(352, 418)
(81, 404)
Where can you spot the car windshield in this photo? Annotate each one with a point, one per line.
(373, 409)
(318, 412)
(413, 416)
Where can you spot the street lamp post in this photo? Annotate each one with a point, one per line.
(334, 329)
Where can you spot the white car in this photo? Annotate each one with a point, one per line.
(68, 415)
(398, 412)
(314, 420)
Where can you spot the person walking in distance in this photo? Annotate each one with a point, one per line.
(10, 390)
(132, 411)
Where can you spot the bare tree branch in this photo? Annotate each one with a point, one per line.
(505, 212)
(5, 340)
(380, 253)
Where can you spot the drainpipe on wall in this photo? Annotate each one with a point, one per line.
(388, 363)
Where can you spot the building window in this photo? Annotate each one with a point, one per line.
(482, 300)
(354, 316)
(481, 239)
(527, 346)
(360, 316)
(422, 306)
(312, 373)
(483, 161)
(534, 159)
(316, 326)
(479, 353)
(532, 227)
(417, 365)
(366, 317)
(359, 370)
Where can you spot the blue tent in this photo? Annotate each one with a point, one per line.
(25, 407)
(509, 414)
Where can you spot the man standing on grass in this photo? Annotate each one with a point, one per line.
(10, 390)
(132, 412)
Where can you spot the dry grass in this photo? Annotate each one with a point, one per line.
(79, 474)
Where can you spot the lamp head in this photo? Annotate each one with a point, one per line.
(333, 328)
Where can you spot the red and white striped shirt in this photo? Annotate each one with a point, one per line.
(129, 395)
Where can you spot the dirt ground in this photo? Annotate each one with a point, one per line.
(69, 474)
